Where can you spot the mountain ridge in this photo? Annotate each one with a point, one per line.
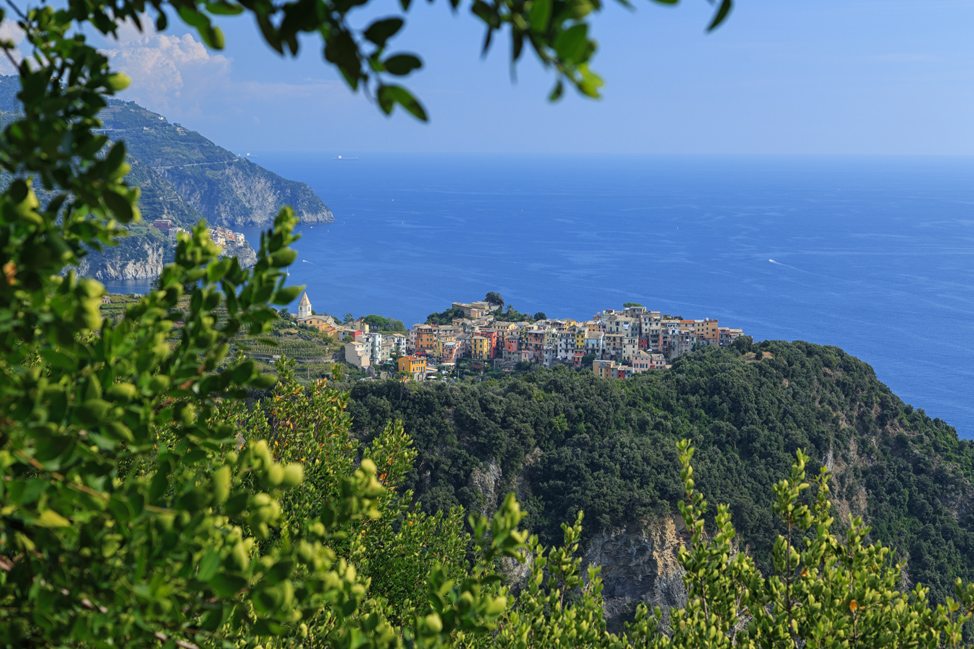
(184, 178)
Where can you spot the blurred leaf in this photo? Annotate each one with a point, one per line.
(722, 11)
(382, 30)
(402, 64)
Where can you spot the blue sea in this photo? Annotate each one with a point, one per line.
(872, 254)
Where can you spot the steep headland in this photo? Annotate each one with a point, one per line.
(565, 441)
(184, 178)
(221, 187)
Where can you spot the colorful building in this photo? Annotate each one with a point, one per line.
(415, 366)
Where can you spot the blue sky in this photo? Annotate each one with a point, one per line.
(780, 77)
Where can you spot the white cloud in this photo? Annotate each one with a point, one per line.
(180, 78)
(170, 74)
(10, 31)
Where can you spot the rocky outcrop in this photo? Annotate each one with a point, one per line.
(142, 259)
(238, 192)
(244, 254)
(138, 259)
(485, 480)
(639, 564)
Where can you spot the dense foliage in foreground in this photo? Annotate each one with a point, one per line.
(570, 441)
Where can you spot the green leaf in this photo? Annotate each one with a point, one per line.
(208, 566)
(287, 295)
(120, 205)
(226, 586)
(382, 30)
(389, 95)
(722, 11)
(212, 36)
(557, 91)
(539, 15)
(402, 64)
(570, 45)
(192, 17)
(283, 257)
(243, 372)
(263, 381)
(50, 518)
(222, 8)
(115, 157)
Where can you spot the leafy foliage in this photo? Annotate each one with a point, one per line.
(154, 490)
(605, 447)
(379, 323)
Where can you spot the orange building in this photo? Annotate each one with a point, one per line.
(415, 366)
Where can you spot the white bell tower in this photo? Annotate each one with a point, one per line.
(304, 307)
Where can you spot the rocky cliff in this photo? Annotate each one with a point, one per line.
(220, 186)
(184, 178)
(639, 565)
(141, 258)
(136, 258)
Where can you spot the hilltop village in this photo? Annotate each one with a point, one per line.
(616, 344)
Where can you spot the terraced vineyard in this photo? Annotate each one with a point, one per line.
(290, 346)
(307, 346)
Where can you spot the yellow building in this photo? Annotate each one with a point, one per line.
(480, 348)
(415, 366)
(321, 323)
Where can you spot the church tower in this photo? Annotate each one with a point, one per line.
(304, 307)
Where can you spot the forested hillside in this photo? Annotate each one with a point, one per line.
(566, 441)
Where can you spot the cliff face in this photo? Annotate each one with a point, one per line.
(639, 565)
(213, 182)
(140, 259)
(238, 192)
(244, 254)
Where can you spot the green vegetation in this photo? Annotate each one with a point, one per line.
(158, 492)
(384, 325)
(512, 315)
(629, 304)
(445, 317)
(607, 447)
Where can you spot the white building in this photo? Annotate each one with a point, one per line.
(304, 307)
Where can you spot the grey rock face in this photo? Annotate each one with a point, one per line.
(238, 192)
(639, 564)
(142, 260)
(244, 254)
(485, 480)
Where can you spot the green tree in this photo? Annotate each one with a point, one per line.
(743, 344)
(540, 316)
(824, 592)
(629, 304)
(494, 298)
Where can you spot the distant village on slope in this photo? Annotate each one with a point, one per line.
(617, 343)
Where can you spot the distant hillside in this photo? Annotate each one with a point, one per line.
(221, 187)
(184, 178)
(565, 441)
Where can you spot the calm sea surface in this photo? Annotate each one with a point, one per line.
(874, 255)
